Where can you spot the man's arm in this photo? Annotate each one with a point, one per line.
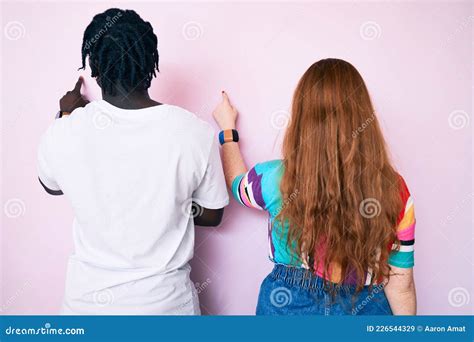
(207, 217)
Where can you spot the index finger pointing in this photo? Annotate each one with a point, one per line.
(77, 87)
(225, 97)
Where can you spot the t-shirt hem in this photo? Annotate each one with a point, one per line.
(211, 205)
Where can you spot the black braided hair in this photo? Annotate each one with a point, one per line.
(122, 50)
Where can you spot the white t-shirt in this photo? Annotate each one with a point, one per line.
(131, 176)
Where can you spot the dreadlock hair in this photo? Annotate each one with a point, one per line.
(122, 50)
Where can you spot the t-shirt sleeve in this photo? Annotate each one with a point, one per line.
(45, 168)
(258, 188)
(212, 192)
(404, 256)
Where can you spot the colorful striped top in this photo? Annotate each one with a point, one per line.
(259, 188)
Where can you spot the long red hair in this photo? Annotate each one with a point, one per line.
(348, 193)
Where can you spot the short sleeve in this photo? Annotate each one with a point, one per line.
(212, 192)
(258, 188)
(404, 256)
(45, 169)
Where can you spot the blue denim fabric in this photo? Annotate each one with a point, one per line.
(296, 291)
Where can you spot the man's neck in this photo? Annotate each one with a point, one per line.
(134, 100)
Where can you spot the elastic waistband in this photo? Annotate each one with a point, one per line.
(304, 278)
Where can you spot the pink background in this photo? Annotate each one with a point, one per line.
(417, 61)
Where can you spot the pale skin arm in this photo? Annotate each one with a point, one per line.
(400, 291)
(233, 163)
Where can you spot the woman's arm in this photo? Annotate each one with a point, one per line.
(400, 291)
(233, 162)
(226, 116)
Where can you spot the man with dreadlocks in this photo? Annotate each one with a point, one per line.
(139, 174)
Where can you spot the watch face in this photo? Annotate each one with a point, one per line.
(58, 114)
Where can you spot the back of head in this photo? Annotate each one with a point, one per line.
(122, 51)
(335, 156)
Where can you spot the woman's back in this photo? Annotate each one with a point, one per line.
(259, 188)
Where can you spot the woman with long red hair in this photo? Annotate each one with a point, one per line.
(341, 219)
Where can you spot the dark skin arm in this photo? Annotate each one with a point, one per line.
(207, 217)
(73, 99)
